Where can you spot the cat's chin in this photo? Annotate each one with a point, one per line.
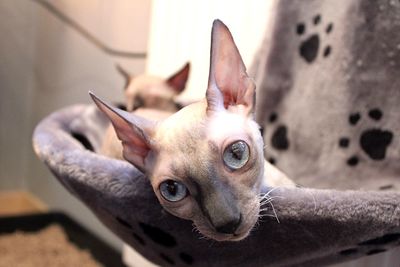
(228, 237)
(206, 229)
(212, 235)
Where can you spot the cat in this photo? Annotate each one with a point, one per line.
(145, 92)
(205, 162)
(148, 91)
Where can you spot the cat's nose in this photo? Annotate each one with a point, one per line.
(229, 227)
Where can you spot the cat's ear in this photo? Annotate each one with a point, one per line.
(125, 74)
(228, 83)
(133, 131)
(178, 80)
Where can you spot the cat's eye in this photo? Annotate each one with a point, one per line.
(173, 191)
(236, 155)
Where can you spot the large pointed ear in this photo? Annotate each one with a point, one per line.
(133, 131)
(124, 74)
(179, 79)
(228, 83)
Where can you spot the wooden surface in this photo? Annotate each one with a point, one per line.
(19, 202)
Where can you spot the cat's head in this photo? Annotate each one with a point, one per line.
(147, 91)
(205, 162)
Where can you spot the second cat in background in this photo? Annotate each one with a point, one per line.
(150, 91)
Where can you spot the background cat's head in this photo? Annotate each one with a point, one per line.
(205, 162)
(147, 91)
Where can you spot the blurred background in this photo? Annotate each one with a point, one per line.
(53, 52)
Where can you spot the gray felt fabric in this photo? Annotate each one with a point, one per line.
(308, 104)
(329, 92)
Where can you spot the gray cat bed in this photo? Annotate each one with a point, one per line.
(328, 97)
(315, 227)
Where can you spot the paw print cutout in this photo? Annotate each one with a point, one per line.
(310, 46)
(373, 141)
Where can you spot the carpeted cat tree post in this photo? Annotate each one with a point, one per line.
(328, 81)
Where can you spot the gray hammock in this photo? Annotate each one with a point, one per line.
(328, 99)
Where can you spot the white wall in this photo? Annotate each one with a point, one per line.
(46, 65)
(16, 56)
(181, 31)
(121, 24)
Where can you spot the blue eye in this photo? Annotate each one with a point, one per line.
(173, 191)
(236, 155)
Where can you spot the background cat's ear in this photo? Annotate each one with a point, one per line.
(228, 83)
(124, 74)
(133, 131)
(178, 80)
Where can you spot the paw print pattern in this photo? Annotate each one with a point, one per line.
(309, 47)
(373, 246)
(373, 141)
(159, 237)
(279, 138)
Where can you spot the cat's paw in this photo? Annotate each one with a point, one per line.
(373, 141)
(311, 42)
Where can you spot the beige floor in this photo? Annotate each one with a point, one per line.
(19, 202)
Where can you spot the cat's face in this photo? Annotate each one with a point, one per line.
(146, 91)
(209, 170)
(205, 162)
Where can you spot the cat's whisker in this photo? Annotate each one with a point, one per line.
(266, 199)
(276, 215)
(269, 199)
(195, 229)
(265, 203)
(267, 215)
(262, 216)
(271, 190)
(265, 209)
